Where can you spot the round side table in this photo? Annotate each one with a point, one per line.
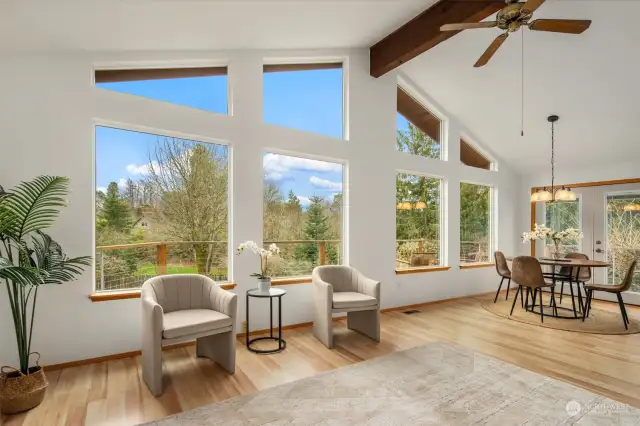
(273, 293)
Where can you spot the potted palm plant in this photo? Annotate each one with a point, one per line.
(29, 258)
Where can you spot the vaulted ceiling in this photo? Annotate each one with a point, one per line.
(200, 24)
(589, 80)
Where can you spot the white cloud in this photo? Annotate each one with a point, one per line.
(273, 177)
(282, 164)
(101, 189)
(317, 182)
(122, 183)
(305, 201)
(142, 170)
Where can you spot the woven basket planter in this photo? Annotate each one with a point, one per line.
(20, 392)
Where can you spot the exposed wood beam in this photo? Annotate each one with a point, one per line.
(423, 32)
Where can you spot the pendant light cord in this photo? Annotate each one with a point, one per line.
(553, 124)
(522, 87)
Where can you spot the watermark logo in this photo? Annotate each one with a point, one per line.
(573, 408)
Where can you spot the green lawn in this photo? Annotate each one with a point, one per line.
(150, 269)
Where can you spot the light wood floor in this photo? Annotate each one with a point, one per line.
(113, 393)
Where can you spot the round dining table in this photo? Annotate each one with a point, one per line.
(576, 309)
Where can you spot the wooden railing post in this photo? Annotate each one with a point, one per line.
(323, 253)
(161, 259)
(420, 245)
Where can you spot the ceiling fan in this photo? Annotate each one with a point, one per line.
(517, 14)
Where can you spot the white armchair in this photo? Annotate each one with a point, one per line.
(183, 307)
(344, 289)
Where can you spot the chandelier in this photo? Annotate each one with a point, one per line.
(552, 194)
(420, 205)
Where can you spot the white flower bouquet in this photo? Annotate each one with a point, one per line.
(264, 254)
(542, 232)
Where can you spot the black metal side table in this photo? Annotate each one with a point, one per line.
(271, 294)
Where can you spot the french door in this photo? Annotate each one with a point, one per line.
(609, 217)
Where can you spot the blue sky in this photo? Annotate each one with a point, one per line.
(305, 100)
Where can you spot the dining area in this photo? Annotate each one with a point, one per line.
(560, 292)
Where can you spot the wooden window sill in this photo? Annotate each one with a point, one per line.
(107, 296)
(477, 265)
(421, 270)
(290, 281)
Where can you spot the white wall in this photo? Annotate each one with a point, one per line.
(47, 111)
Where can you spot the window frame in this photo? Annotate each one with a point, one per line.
(493, 164)
(424, 101)
(310, 61)
(344, 223)
(443, 261)
(166, 133)
(493, 220)
(165, 65)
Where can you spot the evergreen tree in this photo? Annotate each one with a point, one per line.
(293, 203)
(316, 227)
(115, 211)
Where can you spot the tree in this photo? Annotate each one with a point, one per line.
(115, 211)
(416, 142)
(316, 228)
(191, 180)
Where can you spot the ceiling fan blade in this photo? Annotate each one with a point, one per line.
(491, 50)
(531, 6)
(468, 26)
(567, 26)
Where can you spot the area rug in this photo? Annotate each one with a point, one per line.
(435, 384)
(600, 321)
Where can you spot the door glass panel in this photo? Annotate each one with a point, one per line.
(559, 216)
(623, 236)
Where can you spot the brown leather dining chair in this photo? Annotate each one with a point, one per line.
(574, 275)
(614, 289)
(503, 270)
(527, 273)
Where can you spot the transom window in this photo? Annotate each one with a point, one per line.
(203, 88)
(306, 97)
(470, 156)
(419, 131)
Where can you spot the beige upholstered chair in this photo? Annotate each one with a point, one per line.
(183, 307)
(344, 289)
(527, 273)
(613, 289)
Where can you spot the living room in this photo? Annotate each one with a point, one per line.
(318, 133)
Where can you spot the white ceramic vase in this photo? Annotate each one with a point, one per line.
(264, 285)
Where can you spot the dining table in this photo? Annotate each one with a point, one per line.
(573, 265)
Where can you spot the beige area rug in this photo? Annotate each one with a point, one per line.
(436, 384)
(600, 321)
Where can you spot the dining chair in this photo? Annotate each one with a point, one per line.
(503, 270)
(579, 275)
(614, 289)
(527, 273)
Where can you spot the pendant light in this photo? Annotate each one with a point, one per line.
(552, 194)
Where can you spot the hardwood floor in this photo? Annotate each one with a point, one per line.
(113, 393)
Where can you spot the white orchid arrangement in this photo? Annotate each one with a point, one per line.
(542, 232)
(264, 254)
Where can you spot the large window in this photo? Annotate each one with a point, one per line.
(418, 221)
(161, 208)
(476, 219)
(203, 88)
(305, 97)
(559, 216)
(302, 210)
(419, 131)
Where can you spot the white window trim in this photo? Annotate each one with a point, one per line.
(493, 217)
